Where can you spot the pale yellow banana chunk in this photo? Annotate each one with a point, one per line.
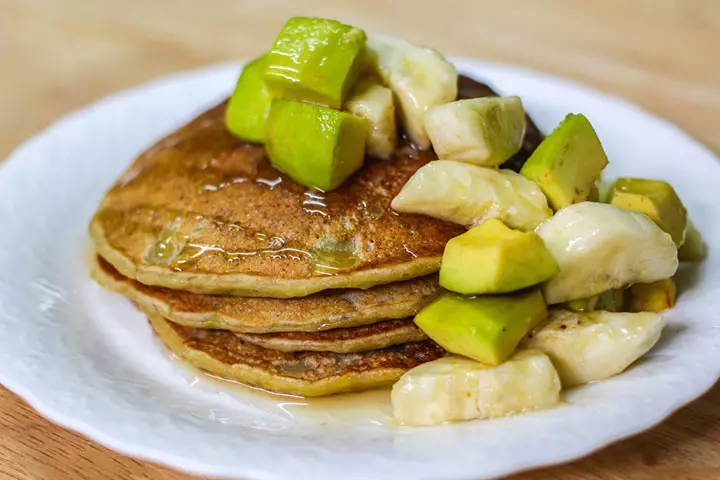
(419, 77)
(600, 247)
(456, 388)
(590, 346)
(483, 131)
(373, 102)
(468, 195)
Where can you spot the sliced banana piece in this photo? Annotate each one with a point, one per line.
(482, 131)
(590, 346)
(456, 388)
(600, 247)
(468, 195)
(419, 77)
(373, 102)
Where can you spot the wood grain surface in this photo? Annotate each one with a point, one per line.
(58, 55)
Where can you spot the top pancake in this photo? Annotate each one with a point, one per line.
(205, 212)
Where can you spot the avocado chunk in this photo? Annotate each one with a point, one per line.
(611, 300)
(316, 146)
(694, 248)
(654, 198)
(594, 195)
(582, 305)
(315, 60)
(652, 297)
(568, 162)
(604, 189)
(493, 258)
(247, 112)
(485, 328)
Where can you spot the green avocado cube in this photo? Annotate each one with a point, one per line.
(492, 258)
(486, 328)
(694, 248)
(315, 60)
(249, 106)
(582, 305)
(316, 146)
(652, 297)
(654, 198)
(567, 163)
(611, 300)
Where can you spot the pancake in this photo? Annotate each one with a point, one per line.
(321, 311)
(223, 354)
(341, 340)
(205, 212)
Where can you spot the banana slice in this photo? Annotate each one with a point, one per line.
(456, 388)
(373, 102)
(482, 131)
(468, 195)
(420, 78)
(591, 346)
(600, 247)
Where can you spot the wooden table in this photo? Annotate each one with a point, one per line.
(57, 55)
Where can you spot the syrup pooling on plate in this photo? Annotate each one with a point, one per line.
(371, 407)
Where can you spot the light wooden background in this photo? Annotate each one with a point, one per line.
(57, 55)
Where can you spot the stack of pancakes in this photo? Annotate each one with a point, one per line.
(252, 277)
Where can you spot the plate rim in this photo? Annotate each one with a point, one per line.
(54, 414)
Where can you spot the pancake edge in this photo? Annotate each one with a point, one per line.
(242, 285)
(218, 321)
(403, 334)
(256, 377)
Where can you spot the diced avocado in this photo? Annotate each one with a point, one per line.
(594, 195)
(316, 146)
(694, 248)
(604, 191)
(493, 258)
(652, 297)
(315, 60)
(654, 198)
(485, 328)
(249, 106)
(582, 305)
(611, 300)
(568, 162)
(608, 301)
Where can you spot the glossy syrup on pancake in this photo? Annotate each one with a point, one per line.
(206, 212)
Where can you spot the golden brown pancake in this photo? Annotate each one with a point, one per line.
(205, 212)
(325, 310)
(341, 340)
(223, 354)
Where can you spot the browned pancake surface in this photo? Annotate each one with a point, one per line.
(202, 202)
(230, 350)
(331, 309)
(225, 355)
(341, 340)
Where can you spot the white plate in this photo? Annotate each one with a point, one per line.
(87, 360)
